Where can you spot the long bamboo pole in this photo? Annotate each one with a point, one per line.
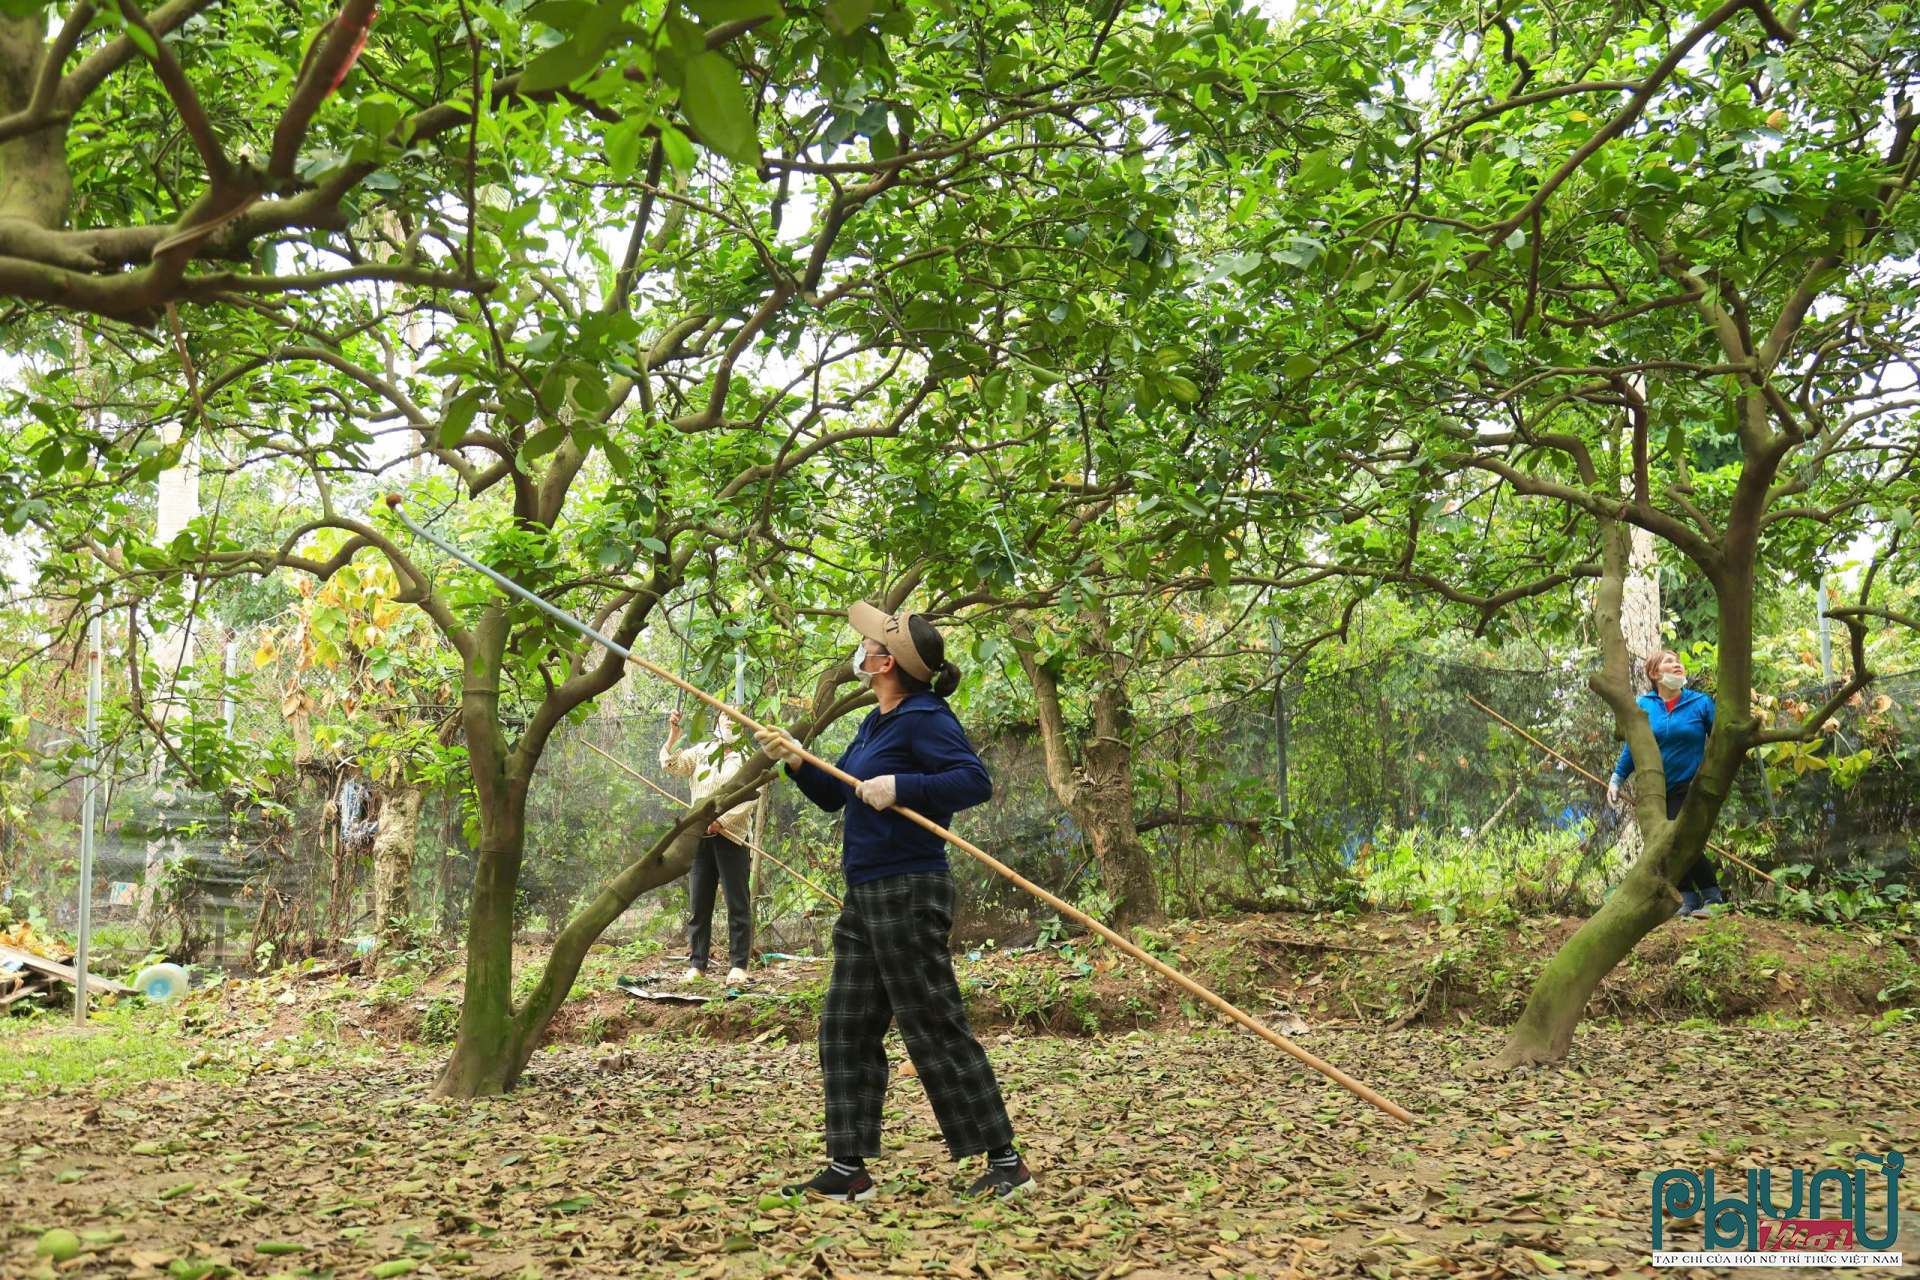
(1723, 852)
(1066, 909)
(618, 763)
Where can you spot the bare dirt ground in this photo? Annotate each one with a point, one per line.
(1202, 1153)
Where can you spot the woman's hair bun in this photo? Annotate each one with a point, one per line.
(946, 679)
(932, 647)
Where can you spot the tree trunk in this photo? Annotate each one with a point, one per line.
(1106, 811)
(1646, 897)
(1640, 595)
(496, 1038)
(393, 851)
(756, 879)
(1544, 1032)
(36, 185)
(1640, 608)
(1100, 796)
(489, 1052)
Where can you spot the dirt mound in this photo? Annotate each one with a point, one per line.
(1373, 970)
(1376, 970)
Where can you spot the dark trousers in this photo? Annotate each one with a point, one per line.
(719, 861)
(891, 961)
(1699, 877)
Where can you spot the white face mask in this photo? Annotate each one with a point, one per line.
(860, 666)
(1673, 680)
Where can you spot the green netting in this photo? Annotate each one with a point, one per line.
(1383, 780)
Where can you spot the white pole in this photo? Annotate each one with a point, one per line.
(226, 700)
(86, 823)
(1826, 633)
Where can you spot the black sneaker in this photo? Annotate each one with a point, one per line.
(1002, 1182)
(831, 1184)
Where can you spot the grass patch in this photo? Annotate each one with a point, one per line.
(1457, 876)
(127, 1045)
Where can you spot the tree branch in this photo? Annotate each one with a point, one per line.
(328, 60)
(1815, 724)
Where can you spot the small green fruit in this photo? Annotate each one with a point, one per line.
(59, 1244)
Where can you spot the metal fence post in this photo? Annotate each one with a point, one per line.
(86, 823)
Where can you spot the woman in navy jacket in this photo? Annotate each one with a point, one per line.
(1681, 719)
(891, 948)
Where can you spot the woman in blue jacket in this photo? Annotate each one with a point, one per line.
(1681, 719)
(892, 958)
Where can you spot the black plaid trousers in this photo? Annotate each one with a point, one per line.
(891, 960)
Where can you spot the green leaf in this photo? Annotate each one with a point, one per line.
(141, 40)
(994, 390)
(1677, 442)
(623, 148)
(1685, 147)
(20, 8)
(459, 417)
(1217, 565)
(560, 66)
(718, 109)
(542, 443)
(685, 41)
(1516, 240)
(394, 1267)
(1301, 365)
(1182, 388)
(562, 15)
(679, 150)
(848, 16)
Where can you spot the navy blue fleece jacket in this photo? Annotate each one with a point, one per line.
(935, 773)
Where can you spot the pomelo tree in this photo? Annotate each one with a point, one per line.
(620, 295)
(1593, 274)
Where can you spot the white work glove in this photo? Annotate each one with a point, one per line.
(878, 792)
(1613, 791)
(779, 744)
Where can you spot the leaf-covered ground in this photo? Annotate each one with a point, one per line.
(1197, 1154)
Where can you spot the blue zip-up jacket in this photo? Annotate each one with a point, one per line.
(1681, 733)
(935, 773)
